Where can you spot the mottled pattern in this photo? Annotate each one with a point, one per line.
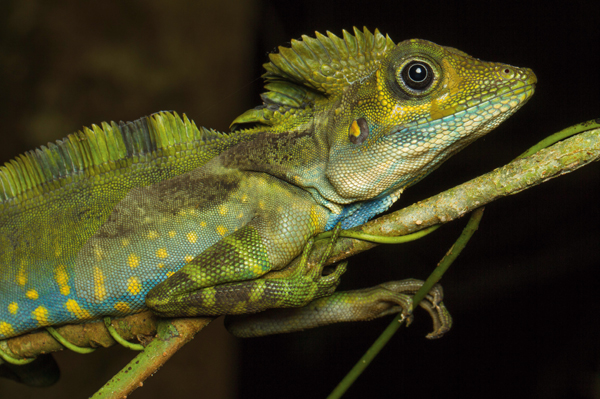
(159, 213)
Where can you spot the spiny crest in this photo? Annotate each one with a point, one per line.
(98, 149)
(315, 68)
(326, 64)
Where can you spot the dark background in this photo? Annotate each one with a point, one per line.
(524, 294)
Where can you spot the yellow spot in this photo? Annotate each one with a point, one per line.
(99, 288)
(122, 307)
(354, 129)
(32, 294)
(222, 230)
(41, 315)
(153, 235)
(240, 215)
(244, 198)
(314, 216)
(172, 233)
(240, 308)
(6, 329)
(62, 279)
(192, 237)
(98, 252)
(261, 204)
(125, 242)
(13, 307)
(202, 224)
(209, 298)
(57, 251)
(72, 306)
(169, 274)
(133, 285)
(438, 110)
(162, 253)
(223, 210)
(161, 265)
(22, 275)
(189, 258)
(133, 261)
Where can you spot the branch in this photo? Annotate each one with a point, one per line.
(172, 335)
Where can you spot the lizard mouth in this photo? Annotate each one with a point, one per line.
(514, 99)
(472, 121)
(426, 144)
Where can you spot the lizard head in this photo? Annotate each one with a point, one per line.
(386, 114)
(421, 104)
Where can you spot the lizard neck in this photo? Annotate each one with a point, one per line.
(298, 156)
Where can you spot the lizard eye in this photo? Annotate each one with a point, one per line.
(417, 75)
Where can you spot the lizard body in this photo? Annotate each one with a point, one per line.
(184, 220)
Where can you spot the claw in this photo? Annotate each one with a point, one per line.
(432, 303)
(334, 236)
(442, 321)
(331, 281)
(306, 251)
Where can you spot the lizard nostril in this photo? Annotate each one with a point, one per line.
(506, 72)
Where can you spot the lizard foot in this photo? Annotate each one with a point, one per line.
(432, 303)
(305, 281)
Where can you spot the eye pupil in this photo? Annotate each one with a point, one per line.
(416, 76)
(417, 73)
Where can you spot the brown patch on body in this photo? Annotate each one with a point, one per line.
(266, 152)
(196, 189)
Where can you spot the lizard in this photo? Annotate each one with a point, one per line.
(164, 215)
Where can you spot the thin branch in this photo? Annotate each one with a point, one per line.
(400, 320)
(172, 335)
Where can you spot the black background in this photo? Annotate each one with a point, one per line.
(523, 294)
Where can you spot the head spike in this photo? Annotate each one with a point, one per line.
(328, 63)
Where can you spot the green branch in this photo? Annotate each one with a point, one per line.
(391, 329)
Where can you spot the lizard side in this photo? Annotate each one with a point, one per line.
(161, 214)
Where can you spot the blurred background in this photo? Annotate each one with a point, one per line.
(524, 294)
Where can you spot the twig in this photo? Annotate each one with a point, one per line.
(172, 335)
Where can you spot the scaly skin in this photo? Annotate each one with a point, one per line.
(185, 221)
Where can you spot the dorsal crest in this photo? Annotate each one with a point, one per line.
(315, 68)
(327, 64)
(97, 149)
